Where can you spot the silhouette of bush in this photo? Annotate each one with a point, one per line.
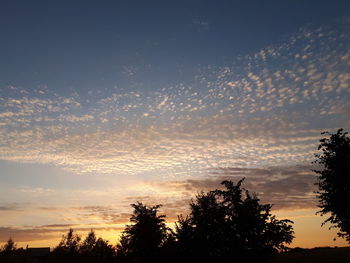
(334, 181)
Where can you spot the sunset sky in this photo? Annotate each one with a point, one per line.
(105, 103)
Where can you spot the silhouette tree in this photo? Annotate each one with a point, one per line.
(9, 247)
(68, 248)
(257, 228)
(102, 251)
(9, 252)
(202, 231)
(89, 243)
(70, 242)
(334, 181)
(142, 240)
(228, 224)
(95, 249)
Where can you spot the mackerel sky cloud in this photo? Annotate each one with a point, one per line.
(264, 109)
(91, 121)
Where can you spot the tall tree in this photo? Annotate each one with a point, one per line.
(228, 224)
(334, 180)
(102, 251)
(95, 249)
(68, 248)
(9, 253)
(89, 243)
(9, 247)
(70, 242)
(141, 241)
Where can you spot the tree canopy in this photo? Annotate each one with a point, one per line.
(334, 180)
(223, 225)
(92, 249)
(226, 224)
(141, 241)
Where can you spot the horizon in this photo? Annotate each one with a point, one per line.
(106, 104)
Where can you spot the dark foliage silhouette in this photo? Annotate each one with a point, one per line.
(230, 224)
(89, 243)
(142, 241)
(92, 249)
(9, 253)
(70, 242)
(9, 247)
(334, 180)
(223, 226)
(95, 249)
(68, 248)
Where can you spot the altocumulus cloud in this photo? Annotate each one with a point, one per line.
(265, 109)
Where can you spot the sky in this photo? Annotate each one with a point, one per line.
(106, 103)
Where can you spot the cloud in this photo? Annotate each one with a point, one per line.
(47, 232)
(24, 234)
(9, 207)
(265, 109)
(38, 190)
(200, 25)
(107, 214)
(286, 187)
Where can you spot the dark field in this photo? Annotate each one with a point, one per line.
(315, 255)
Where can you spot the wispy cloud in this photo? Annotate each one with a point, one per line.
(286, 187)
(9, 207)
(200, 25)
(46, 232)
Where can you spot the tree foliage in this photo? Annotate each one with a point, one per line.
(334, 180)
(95, 249)
(69, 243)
(89, 242)
(9, 247)
(142, 240)
(224, 224)
(9, 252)
(92, 249)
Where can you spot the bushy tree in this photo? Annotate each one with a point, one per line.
(228, 224)
(90, 250)
(334, 180)
(142, 240)
(9, 253)
(9, 247)
(95, 249)
(200, 233)
(102, 251)
(68, 248)
(89, 243)
(70, 242)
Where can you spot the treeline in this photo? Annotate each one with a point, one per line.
(222, 226)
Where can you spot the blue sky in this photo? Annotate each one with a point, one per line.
(105, 104)
(85, 45)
